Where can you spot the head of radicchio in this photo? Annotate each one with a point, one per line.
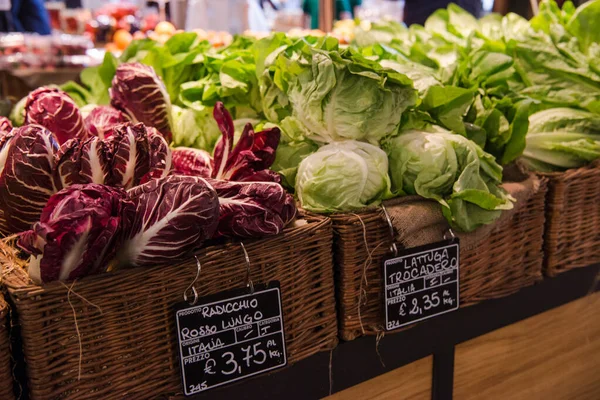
(130, 155)
(77, 234)
(56, 111)
(252, 209)
(27, 163)
(102, 119)
(193, 162)
(141, 94)
(250, 158)
(171, 218)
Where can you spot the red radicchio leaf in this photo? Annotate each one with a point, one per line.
(252, 154)
(77, 235)
(160, 156)
(130, 155)
(101, 121)
(252, 209)
(172, 217)
(5, 126)
(83, 162)
(27, 162)
(193, 162)
(56, 111)
(141, 94)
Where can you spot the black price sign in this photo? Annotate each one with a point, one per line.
(421, 283)
(230, 336)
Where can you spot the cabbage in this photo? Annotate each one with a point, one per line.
(170, 218)
(27, 162)
(77, 233)
(452, 170)
(562, 138)
(55, 110)
(343, 176)
(338, 96)
(141, 95)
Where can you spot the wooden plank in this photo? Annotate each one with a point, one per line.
(412, 381)
(554, 355)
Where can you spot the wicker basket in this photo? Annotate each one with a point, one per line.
(122, 342)
(6, 376)
(572, 237)
(508, 260)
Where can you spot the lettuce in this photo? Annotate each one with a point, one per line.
(343, 176)
(562, 138)
(452, 170)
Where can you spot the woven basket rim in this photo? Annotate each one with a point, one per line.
(573, 172)
(17, 281)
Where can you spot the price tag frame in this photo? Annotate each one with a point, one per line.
(215, 299)
(415, 251)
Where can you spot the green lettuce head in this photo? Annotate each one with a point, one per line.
(452, 170)
(193, 128)
(343, 95)
(343, 176)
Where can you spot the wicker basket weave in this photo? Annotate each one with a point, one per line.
(122, 343)
(572, 237)
(6, 376)
(510, 259)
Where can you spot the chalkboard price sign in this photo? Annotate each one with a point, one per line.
(421, 282)
(230, 336)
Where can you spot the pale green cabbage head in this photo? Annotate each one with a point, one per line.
(452, 170)
(343, 176)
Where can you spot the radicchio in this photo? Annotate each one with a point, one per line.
(27, 161)
(5, 126)
(141, 94)
(55, 110)
(77, 234)
(102, 119)
(252, 209)
(132, 154)
(171, 217)
(193, 162)
(251, 156)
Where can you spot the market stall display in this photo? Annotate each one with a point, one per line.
(305, 158)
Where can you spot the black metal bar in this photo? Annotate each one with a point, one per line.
(443, 374)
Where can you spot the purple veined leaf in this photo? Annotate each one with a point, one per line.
(57, 112)
(141, 94)
(265, 175)
(27, 162)
(102, 119)
(171, 218)
(252, 154)
(160, 156)
(78, 233)
(252, 209)
(130, 155)
(83, 162)
(193, 162)
(225, 145)
(5, 126)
